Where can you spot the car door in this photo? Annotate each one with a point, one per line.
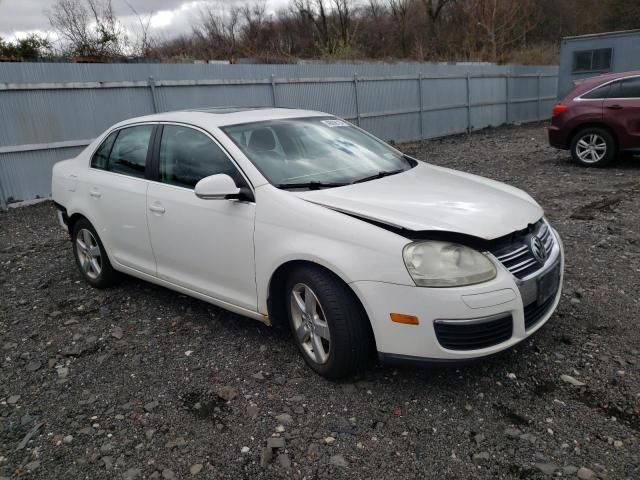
(203, 245)
(622, 111)
(116, 190)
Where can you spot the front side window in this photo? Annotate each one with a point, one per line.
(597, 60)
(324, 150)
(124, 151)
(187, 156)
(630, 88)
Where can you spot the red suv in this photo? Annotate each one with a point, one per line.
(599, 118)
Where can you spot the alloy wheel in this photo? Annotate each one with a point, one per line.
(591, 148)
(88, 252)
(310, 324)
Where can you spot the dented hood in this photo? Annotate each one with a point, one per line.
(435, 198)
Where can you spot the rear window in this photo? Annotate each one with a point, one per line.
(600, 92)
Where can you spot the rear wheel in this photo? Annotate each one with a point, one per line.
(91, 256)
(593, 147)
(329, 325)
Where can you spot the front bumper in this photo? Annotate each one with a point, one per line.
(504, 296)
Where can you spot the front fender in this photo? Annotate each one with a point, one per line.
(289, 228)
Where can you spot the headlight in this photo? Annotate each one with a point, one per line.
(443, 264)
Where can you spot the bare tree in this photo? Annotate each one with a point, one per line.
(494, 26)
(145, 42)
(88, 27)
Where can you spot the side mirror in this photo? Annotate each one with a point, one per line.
(221, 187)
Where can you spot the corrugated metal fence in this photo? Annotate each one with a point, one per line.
(49, 112)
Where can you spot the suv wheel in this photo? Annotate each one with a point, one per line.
(593, 147)
(91, 256)
(329, 325)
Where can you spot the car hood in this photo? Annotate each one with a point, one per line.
(434, 198)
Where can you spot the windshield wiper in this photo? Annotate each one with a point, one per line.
(379, 175)
(310, 185)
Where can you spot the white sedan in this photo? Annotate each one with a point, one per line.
(297, 217)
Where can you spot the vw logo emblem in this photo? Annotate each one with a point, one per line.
(537, 249)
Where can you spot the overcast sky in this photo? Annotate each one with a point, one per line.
(170, 17)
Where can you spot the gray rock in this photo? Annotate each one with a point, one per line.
(284, 461)
(280, 379)
(150, 433)
(252, 411)
(479, 438)
(481, 457)
(195, 469)
(569, 379)
(68, 439)
(31, 466)
(275, 442)
(227, 393)
(266, 455)
(528, 437)
(117, 333)
(569, 470)
(13, 399)
(546, 468)
(107, 462)
(151, 406)
(585, 474)
(512, 432)
(338, 461)
(168, 474)
(33, 366)
(132, 474)
(284, 419)
(63, 372)
(313, 452)
(258, 376)
(106, 448)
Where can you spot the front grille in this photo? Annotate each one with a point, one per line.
(518, 258)
(465, 335)
(533, 312)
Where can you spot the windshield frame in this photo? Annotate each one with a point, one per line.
(224, 129)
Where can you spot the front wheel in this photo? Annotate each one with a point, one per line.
(593, 147)
(329, 325)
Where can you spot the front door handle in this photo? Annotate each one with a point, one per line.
(155, 208)
(95, 193)
(615, 107)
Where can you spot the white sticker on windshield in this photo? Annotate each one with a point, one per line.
(334, 123)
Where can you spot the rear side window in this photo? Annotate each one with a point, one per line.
(601, 92)
(187, 156)
(630, 88)
(125, 151)
(101, 157)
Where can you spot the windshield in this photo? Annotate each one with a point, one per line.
(315, 152)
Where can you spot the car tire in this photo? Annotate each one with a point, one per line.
(593, 147)
(324, 313)
(91, 257)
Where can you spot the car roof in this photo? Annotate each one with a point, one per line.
(224, 116)
(606, 77)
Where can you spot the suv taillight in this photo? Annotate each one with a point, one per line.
(558, 109)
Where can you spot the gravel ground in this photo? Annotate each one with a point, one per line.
(141, 382)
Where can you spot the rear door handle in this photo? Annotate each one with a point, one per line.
(95, 193)
(155, 208)
(615, 107)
